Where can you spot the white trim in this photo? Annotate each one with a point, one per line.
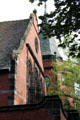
(21, 60)
(6, 91)
(16, 93)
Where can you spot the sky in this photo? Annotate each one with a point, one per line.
(21, 9)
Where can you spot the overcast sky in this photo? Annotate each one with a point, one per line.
(20, 9)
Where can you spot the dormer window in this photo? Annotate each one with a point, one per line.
(36, 45)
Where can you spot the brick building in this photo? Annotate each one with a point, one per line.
(49, 109)
(21, 67)
(50, 54)
(22, 73)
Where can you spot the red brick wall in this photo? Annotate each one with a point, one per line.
(21, 67)
(41, 114)
(20, 78)
(49, 109)
(30, 114)
(31, 40)
(4, 89)
(21, 70)
(48, 71)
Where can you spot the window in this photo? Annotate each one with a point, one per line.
(35, 79)
(36, 45)
(29, 73)
(29, 65)
(42, 87)
(34, 84)
(47, 81)
(29, 79)
(62, 78)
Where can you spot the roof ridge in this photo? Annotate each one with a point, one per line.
(13, 20)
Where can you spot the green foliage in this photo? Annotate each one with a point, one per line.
(70, 44)
(31, 1)
(54, 89)
(66, 104)
(63, 22)
(70, 70)
(39, 1)
(78, 105)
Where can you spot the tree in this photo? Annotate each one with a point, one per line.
(62, 23)
(65, 86)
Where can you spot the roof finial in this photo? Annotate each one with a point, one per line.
(35, 11)
(45, 8)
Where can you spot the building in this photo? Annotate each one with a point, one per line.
(22, 73)
(49, 109)
(50, 54)
(21, 67)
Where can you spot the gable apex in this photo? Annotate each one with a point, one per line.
(12, 37)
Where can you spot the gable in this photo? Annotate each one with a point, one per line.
(11, 33)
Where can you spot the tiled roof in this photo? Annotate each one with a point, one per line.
(49, 46)
(11, 33)
(45, 45)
